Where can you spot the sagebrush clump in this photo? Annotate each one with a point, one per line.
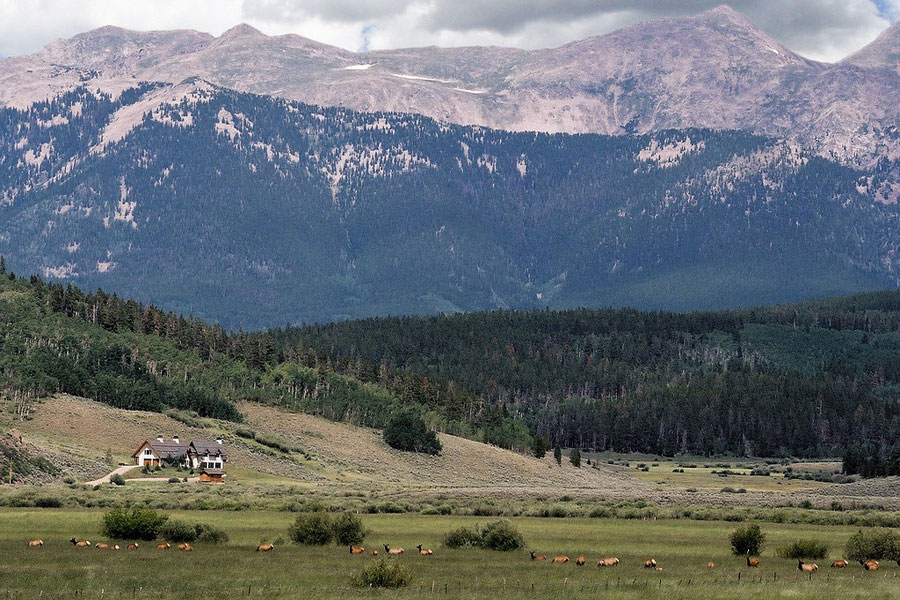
(497, 535)
(876, 544)
(803, 549)
(748, 540)
(136, 524)
(383, 573)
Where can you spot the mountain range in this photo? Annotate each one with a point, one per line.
(257, 181)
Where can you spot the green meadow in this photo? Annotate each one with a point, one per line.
(234, 570)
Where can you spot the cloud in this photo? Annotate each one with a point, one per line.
(820, 29)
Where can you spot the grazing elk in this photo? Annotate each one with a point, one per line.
(710, 565)
(580, 561)
(265, 547)
(424, 551)
(393, 551)
(561, 559)
(869, 565)
(355, 550)
(650, 563)
(752, 561)
(36, 543)
(133, 546)
(840, 564)
(80, 544)
(610, 561)
(807, 567)
(163, 546)
(538, 557)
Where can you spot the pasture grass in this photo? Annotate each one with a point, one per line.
(235, 570)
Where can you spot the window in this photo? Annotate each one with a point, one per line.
(148, 452)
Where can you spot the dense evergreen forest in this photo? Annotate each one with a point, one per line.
(813, 379)
(218, 201)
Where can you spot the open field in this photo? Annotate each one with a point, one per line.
(682, 548)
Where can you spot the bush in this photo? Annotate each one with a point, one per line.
(501, 535)
(382, 573)
(178, 531)
(462, 537)
(136, 524)
(174, 480)
(408, 432)
(348, 529)
(877, 544)
(211, 534)
(748, 539)
(314, 529)
(117, 479)
(803, 549)
(48, 502)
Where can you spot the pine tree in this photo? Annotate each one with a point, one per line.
(540, 446)
(2, 265)
(575, 457)
(557, 454)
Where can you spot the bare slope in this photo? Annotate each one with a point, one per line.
(82, 431)
(716, 69)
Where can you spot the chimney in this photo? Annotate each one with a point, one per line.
(175, 439)
(159, 439)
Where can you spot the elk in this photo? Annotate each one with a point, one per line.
(538, 557)
(101, 546)
(807, 567)
(561, 559)
(869, 565)
(424, 551)
(35, 543)
(133, 546)
(610, 561)
(710, 565)
(393, 551)
(752, 561)
(374, 552)
(80, 544)
(186, 547)
(840, 564)
(163, 546)
(580, 561)
(265, 547)
(355, 550)
(650, 563)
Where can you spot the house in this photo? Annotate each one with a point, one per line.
(159, 452)
(205, 454)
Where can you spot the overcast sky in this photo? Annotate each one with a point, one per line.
(819, 29)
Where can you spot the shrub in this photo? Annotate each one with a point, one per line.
(136, 524)
(876, 544)
(178, 531)
(501, 535)
(803, 549)
(748, 539)
(211, 534)
(462, 537)
(383, 573)
(117, 479)
(314, 529)
(540, 446)
(174, 480)
(48, 502)
(408, 432)
(348, 529)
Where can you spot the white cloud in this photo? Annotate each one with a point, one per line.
(819, 29)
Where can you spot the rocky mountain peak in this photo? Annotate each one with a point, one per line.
(882, 53)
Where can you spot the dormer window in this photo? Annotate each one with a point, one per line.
(148, 451)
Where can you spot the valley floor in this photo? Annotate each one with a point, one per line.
(233, 570)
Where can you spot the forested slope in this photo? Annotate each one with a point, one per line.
(810, 379)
